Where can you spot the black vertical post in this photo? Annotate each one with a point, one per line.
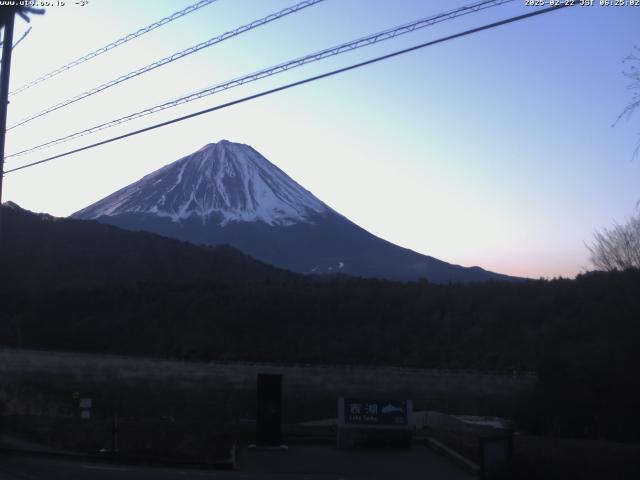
(269, 413)
(7, 47)
(496, 457)
(114, 435)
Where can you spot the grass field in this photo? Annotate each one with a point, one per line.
(190, 411)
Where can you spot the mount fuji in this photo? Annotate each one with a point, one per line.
(228, 193)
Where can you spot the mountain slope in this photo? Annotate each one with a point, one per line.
(42, 251)
(229, 193)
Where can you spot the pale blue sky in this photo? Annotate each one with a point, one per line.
(494, 150)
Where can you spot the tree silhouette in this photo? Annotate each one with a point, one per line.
(617, 248)
(632, 61)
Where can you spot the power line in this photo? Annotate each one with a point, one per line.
(112, 45)
(172, 58)
(314, 57)
(297, 83)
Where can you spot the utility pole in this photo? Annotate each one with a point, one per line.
(7, 47)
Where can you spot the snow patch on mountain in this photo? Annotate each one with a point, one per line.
(225, 181)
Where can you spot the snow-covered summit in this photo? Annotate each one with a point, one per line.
(222, 182)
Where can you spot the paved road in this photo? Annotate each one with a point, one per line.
(299, 462)
(30, 468)
(362, 464)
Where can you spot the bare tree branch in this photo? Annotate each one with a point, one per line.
(632, 72)
(617, 248)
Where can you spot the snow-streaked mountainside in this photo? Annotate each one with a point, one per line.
(228, 193)
(221, 182)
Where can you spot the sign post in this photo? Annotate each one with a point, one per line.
(269, 410)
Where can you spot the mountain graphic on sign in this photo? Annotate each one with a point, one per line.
(391, 409)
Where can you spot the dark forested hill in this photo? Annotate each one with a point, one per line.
(581, 335)
(41, 251)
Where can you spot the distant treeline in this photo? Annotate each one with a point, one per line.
(581, 335)
(594, 319)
